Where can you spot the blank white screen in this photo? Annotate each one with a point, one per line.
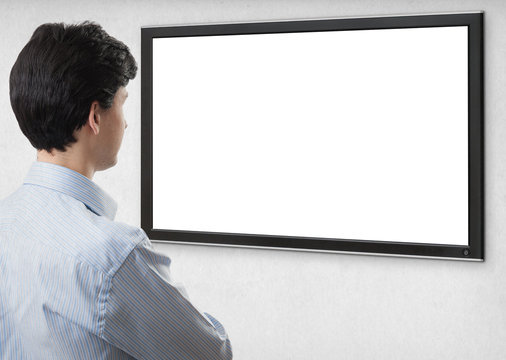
(343, 134)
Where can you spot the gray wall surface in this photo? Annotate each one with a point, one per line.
(302, 305)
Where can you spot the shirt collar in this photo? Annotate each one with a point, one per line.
(74, 184)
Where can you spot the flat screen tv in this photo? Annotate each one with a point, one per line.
(355, 135)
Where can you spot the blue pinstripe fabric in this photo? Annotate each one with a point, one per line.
(74, 284)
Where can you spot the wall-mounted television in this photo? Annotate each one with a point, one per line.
(356, 135)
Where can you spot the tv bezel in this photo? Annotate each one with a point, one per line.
(475, 248)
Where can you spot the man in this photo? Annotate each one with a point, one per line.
(74, 284)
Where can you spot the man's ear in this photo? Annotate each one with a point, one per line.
(94, 117)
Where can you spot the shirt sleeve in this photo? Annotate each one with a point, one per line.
(150, 317)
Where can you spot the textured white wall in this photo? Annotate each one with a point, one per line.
(301, 305)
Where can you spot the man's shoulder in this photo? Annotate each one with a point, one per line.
(115, 241)
(43, 218)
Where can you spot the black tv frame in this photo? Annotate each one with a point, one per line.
(475, 248)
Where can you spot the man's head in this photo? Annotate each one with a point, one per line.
(65, 77)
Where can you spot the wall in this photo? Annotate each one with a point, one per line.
(302, 305)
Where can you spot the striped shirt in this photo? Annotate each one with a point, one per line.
(75, 284)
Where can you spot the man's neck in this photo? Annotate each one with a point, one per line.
(68, 159)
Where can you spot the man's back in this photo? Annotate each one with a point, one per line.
(76, 284)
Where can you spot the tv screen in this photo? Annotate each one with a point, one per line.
(358, 135)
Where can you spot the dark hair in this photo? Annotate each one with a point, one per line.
(59, 73)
